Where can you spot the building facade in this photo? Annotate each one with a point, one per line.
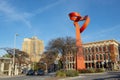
(70, 60)
(101, 54)
(34, 47)
(5, 66)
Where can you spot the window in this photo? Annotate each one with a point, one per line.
(89, 57)
(92, 49)
(86, 57)
(104, 56)
(92, 57)
(97, 58)
(100, 56)
(100, 49)
(104, 48)
(96, 49)
(88, 49)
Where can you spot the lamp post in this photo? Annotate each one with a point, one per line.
(14, 53)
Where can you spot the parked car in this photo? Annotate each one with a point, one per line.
(30, 72)
(40, 72)
(24, 71)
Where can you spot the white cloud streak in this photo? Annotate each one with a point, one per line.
(102, 34)
(40, 10)
(10, 12)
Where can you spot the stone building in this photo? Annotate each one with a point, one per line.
(100, 54)
(5, 66)
(34, 47)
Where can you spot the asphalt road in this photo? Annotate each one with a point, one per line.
(101, 76)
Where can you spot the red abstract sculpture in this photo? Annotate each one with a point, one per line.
(74, 16)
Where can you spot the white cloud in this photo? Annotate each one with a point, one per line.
(110, 30)
(10, 12)
(105, 33)
(40, 10)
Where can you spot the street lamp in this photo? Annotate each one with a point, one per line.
(14, 54)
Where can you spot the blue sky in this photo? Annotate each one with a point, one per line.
(48, 19)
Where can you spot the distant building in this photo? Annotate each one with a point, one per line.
(34, 47)
(101, 54)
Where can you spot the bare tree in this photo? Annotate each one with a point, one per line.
(62, 46)
(20, 56)
(48, 57)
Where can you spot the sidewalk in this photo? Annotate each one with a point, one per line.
(6, 76)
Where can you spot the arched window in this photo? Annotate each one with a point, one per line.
(97, 58)
(108, 56)
(100, 49)
(89, 50)
(89, 57)
(86, 57)
(104, 56)
(96, 49)
(84, 50)
(92, 49)
(92, 57)
(104, 48)
(100, 56)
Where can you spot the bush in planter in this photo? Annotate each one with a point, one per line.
(83, 71)
(87, 71)
(67, 73)
(71, 73)
(99, 70)
(91, 70)
(60, 73)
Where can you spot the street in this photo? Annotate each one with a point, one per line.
(101, 76)
(93, 76)
(27, 78)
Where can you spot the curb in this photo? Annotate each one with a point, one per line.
(92, 73)
(71, 78)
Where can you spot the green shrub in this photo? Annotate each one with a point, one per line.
(92, 70)
(71, 73)
(83, 71)
(87, 71)
(67, 73)
(99, 70)
(60, 73)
